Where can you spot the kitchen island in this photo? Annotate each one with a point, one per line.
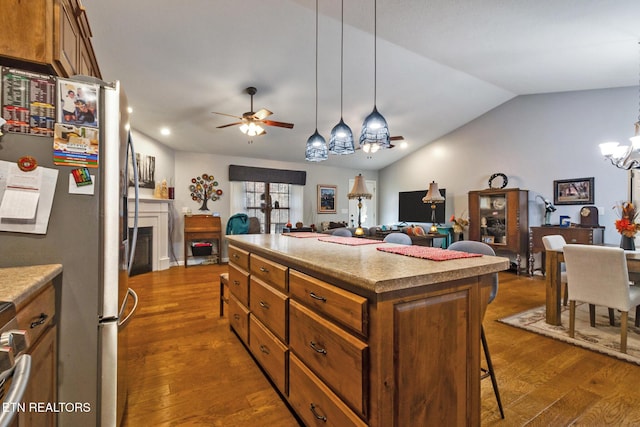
(350, 335)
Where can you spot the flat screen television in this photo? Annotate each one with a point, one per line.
(411, 208)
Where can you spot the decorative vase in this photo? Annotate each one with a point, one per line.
(627, 243)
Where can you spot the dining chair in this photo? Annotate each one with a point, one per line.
(474, 247)
(399, 238)
(598, 275)
(555, 242)
(344, 232)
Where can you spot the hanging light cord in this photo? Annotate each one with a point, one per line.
(316, 65)
(341, 56)
(375, 50)
(637, 124)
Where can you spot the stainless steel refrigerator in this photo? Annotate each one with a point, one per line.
(88, 235)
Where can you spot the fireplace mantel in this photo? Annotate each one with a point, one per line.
(155, 213)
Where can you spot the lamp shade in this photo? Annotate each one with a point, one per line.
(359, 189)
(433, 195)
(375, 131)
(341, 141)
(316, 150)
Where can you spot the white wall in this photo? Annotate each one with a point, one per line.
(190, 165)
(534, 140)
(165, 163)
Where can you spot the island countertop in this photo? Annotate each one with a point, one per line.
(368, 270)
(19, 284)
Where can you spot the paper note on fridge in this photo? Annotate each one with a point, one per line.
(22, 193)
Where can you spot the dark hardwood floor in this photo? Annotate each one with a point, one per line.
(188, 369)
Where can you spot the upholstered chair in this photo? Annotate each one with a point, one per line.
(342, 232)
(598, 275)
(555, 242)
(474, 247)
(399, 238)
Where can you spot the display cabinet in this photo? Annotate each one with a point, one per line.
(499, 217)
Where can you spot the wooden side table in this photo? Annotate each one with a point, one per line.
(202, 227)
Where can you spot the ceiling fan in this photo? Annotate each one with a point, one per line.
(251, 122)
(391, 138)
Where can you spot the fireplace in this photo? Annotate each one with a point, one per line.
(143, 255)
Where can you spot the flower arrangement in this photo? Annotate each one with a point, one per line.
(627, 225)
(459, 223)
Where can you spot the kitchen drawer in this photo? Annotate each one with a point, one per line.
(270, 306)
(314, 402)
(271, 272)
(38, 314)
(270, 353)
(345, 307)
(239, 257)
(239, 318)
(239, 284)
(337, 357)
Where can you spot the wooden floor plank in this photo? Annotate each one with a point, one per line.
(188, 368)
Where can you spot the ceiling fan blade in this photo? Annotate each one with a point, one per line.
(230, 124)
(278, 124)
(396, 138)
(262, 114)
(225, 114)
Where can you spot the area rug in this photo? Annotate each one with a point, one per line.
(603, 338)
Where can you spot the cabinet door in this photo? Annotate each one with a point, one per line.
(42, 383)
(66, 40)
(26, 29)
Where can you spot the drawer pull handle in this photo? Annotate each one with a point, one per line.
(236, 256)
(264, 305)
(264, 349)
(43, 318)
(236, 316)
(264, 269)
(314, 296)
(236, 282)
(317, 349)
(312, 407)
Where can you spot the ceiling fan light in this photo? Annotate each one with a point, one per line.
(341, 141)
(316, 149)
(375, 131)
(244, 128)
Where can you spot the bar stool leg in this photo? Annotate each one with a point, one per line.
(489, 371)
(224, 280)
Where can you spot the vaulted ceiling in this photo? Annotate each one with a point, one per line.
(440, 64)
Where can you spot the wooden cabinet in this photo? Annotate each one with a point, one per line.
(202, 227)
(49, 36)
(572, 235)
(38, 318)
(500, 218)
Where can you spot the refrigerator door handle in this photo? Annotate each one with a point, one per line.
(123, 322)
(21, 373)
(134, 239)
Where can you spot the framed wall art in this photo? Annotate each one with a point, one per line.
(327, 198)
(578, 191)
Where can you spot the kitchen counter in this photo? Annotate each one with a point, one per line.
(366, 270)
(20, 284)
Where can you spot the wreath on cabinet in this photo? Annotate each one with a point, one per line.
(505, 180)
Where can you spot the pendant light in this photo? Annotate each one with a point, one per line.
(375, 132)
(316, 150)
(341, 141)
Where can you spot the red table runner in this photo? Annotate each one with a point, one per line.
(302, 234)
(434, 254)
(351, 241)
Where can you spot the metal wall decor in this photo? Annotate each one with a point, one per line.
(203, 188)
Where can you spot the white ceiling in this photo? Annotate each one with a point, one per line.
(440, 64)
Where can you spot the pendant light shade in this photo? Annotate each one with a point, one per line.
(341, 140)
(375, 132)
(316, 150)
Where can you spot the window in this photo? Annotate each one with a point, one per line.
(269, 202)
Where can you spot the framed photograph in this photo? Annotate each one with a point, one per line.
(577, 191)
(565, 221)
(488, 239)
(327, 198)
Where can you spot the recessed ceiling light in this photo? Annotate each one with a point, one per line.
(130, 110)
(165, 131)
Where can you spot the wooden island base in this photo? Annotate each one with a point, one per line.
(353, 336)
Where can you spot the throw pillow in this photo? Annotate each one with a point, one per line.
(418, 231)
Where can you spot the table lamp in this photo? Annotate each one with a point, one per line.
(359, 192)
(434, 197)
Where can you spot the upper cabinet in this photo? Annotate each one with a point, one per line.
(499, 217)
(49, 36)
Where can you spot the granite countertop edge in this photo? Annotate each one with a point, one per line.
(20, 284)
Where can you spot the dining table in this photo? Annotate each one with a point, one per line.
(553, 289)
